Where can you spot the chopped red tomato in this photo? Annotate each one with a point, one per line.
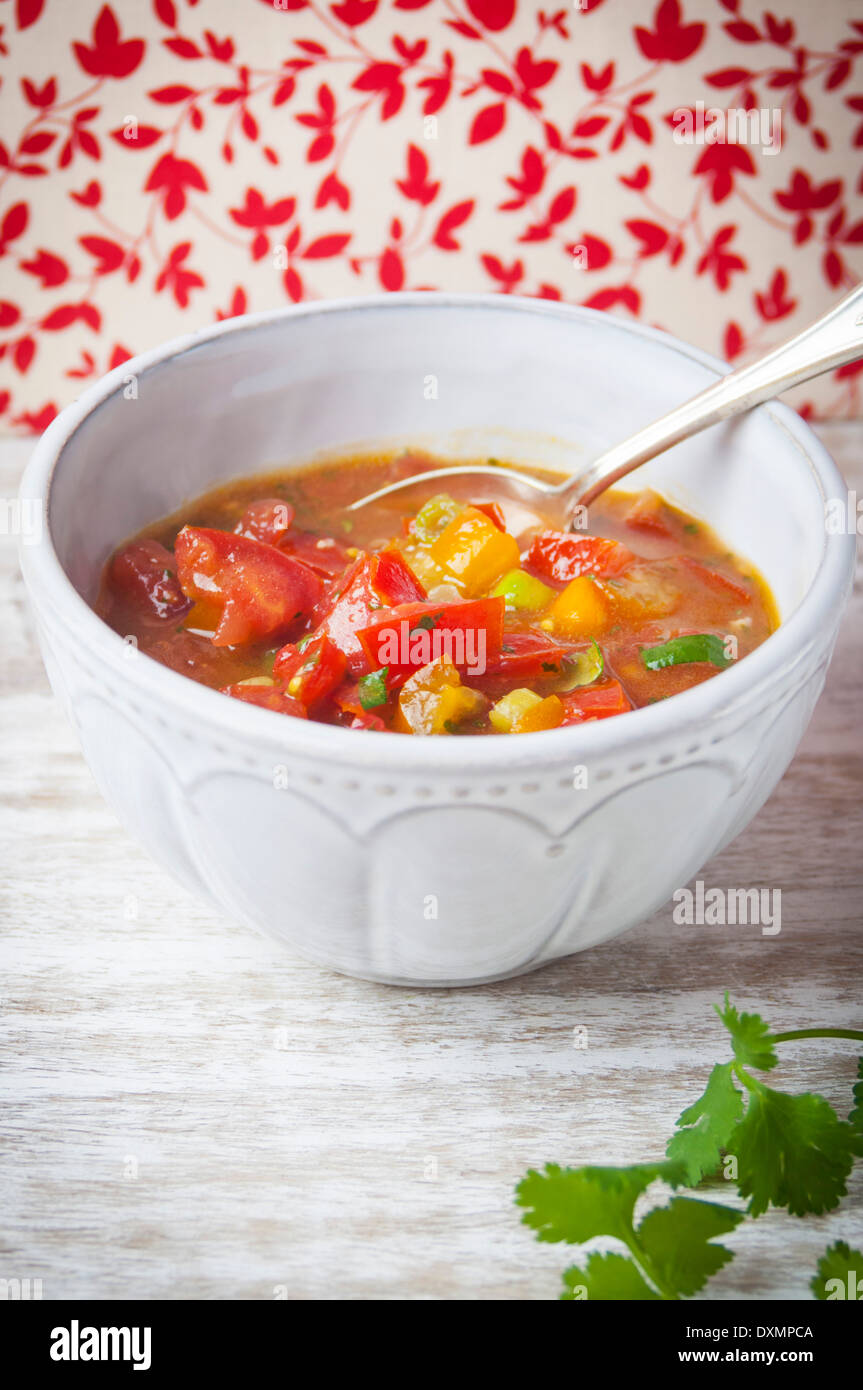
(412, 635)
(563, 556)
(268, 520)
(493, 512)
(374, 581)
(323, 554)
(648, 513)
(144, 572)
(597, 701)
(716, 579)
(395, 581)
(366, 720)
(311, 670)
(267, 697)
(260, 591)
(527, 653)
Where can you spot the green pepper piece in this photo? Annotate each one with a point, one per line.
(679, 651)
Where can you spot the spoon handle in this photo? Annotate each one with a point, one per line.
(835, 338)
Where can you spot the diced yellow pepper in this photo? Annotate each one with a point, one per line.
(581, 609)
(524, 712)
(472, 552)
(523, 592)
(434, 700)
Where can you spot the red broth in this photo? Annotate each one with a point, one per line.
(426, 616)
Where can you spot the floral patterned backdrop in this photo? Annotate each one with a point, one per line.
(166, 163)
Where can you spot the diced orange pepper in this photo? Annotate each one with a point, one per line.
(581, 609)
(473, 553)
(524, 712)
(434, 700)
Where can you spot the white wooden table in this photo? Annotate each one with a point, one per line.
(190, 1112)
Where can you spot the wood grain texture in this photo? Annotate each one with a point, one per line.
(190, 1112)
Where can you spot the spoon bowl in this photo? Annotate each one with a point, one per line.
(829, 342)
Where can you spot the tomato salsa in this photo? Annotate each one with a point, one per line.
(432, 617)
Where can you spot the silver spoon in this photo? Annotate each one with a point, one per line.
(832, 340)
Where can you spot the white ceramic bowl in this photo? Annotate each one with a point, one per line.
(410, 860)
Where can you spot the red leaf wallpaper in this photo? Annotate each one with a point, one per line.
(695, 164)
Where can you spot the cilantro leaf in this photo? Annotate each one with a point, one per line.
(705, 1126)
(678, 1242)
(792, 1151)
(837, 1262)
(372, 689)
(606, 1278)
(575, 1204)
(750, 1037)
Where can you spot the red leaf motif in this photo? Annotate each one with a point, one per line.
(28, 11)
(652, 237)
(533, 74)
(804, 196)
(562, 206)
(457, 214)
(378, 77)
(109, 56)
(24, 352)
(326, 246)
(619, 294)
(417, 186)
(37, 143)
(118, 355)
(40, 96)
(293, 285)
(720, 162)
(743, 31)
(670, 41)
(166, 11)
(732, 343)
(487, 123)
(508, 276)
(332, 190)
(139, 139)
(109, 255)
(256, 213)
(172, 176)
(13, 224)
(391, 271)
(597, 253)
(61, 317)
(597, 81)
(184, 48)
(90, 197)
(354, 12)
(640, 179)
(492, 14)
(775, 303)
(720, 262)
(167, 96)
(728, 77)
(9, 314)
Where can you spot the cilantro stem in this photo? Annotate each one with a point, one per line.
(853, 1033)
(646, 1265)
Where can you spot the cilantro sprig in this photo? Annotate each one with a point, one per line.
(781, 1150)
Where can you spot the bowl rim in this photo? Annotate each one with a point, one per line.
(47, 580)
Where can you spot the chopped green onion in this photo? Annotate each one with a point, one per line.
(522, 591)
(436, 515)
(581, 668)
(373, 688)
(680, 651)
